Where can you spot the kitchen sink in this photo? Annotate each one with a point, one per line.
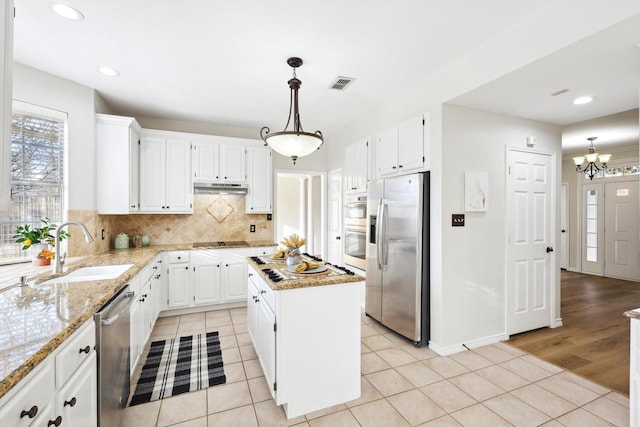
(84, 274)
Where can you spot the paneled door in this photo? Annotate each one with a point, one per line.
(334, 227)
(530, 256)
(621, 241)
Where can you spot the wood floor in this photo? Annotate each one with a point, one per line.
(594, 341)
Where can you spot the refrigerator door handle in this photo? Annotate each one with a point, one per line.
(381, 240)
(383, 233)
(379, 235)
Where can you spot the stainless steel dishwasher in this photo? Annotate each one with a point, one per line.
(112, 340)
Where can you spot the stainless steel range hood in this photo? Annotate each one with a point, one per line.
(218, 188)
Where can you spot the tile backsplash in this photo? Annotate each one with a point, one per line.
(215, 217)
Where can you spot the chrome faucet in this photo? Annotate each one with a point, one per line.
(60, 259)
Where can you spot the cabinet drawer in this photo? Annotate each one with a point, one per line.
(32, 401)
(177, 257)
(76, 351)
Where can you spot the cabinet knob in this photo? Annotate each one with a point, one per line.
(167, 207)
(393, 167)
(250, 274)
(226, 265)
(262, 292)
(71, 402)
(400, 166)
(144, 295)
(133, 206)
(30, 413)
(141, 300)
(157, 276)
(55, 422)
(86, 349)
(186, 268)
(155, 267)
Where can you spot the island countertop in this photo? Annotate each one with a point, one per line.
(290, 280)
(36, 319)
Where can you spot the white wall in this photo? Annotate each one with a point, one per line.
(288, 202)
(36, 87)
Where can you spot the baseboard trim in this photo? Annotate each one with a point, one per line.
(457, 348)
(556, 323)
(190, 310)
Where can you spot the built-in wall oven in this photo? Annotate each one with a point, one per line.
(355, 236)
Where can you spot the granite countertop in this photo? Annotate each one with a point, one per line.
(333, 275)
(633, 314)
(36, 319)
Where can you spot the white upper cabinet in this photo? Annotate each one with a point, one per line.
(401, 149)
(165, 174)
(356, 167)
(218, 159)
(117, 140)
(260, 189)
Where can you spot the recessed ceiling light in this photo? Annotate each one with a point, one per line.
(582, 100)
(67, 11)
(108, 71)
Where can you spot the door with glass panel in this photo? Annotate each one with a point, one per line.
(593, 228)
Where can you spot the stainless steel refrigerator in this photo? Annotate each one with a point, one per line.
(397, 255)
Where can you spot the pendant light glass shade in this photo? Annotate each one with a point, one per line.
(592, 168)
(294, 143)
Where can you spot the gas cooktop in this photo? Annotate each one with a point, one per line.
(221, 243)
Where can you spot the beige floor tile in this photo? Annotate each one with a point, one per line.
(544, 400)
(231, 355)
(238, 311)
(419, 374)
(144, 415)
(240, 328)
(619, 398)
(341, 418)
(325, 411)
(182, 407)
(396, 356)
(259, 389)
(190, 328)
(228, 341)
(572, 392)
(198, 422)
(501, 377)
(552, 423)
(525, 369)
(239, 319)
(244, 339)
(247, 352)
(420, 353)
(364, 349)
(271, 415)
(471, 360)
(609, 410)
(164, 330)
(541, 363)
(218, 321)
(446, 421)
(368, 393)
(494, 353)
(215, 314)
(479, 416)
(223, 331)
(371, 362)
(445, 366)
(252, 368)
(508, 348)
(447, 396)
(377, 342)
(193, 317)
(476, 386)
(396, 339)
(367, 331)
(581, 417)
(415, 407)
(169, 320)
(378, 413)
(303, 424)
(516, 411)
(234, 372)
(228, 396)
(596, 388)
(389, 382)
(244, 416)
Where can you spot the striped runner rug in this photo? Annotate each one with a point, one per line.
(180, 365)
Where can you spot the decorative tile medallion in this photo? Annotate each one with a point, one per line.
(220, 209)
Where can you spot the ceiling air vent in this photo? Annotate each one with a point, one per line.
(341, 82)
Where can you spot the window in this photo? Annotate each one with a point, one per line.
(591, 241)
(37, 180)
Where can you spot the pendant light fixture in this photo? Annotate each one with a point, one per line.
(293, 143)
(592, 168)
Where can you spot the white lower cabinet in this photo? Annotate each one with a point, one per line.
(61, 390)
(206, 282)
(261, 323)
(179, 280)
(135, 339)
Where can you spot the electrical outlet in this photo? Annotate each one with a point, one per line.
(268, 217)
(103, 235)
(252, 228)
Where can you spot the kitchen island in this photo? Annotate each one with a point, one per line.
(305, 328)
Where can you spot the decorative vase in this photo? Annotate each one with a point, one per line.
(293, 257)
(36, 249)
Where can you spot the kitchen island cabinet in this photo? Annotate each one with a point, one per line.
(296, 325)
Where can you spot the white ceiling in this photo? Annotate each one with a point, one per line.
(224, 61)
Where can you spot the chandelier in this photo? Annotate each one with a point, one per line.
(293, 143)
(592, 168)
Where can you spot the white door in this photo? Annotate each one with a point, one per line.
(592, 228)
(564, 226)
(621, 241)
(334, 226)
(530, 262)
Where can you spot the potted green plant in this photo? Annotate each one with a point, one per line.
(39, 238)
